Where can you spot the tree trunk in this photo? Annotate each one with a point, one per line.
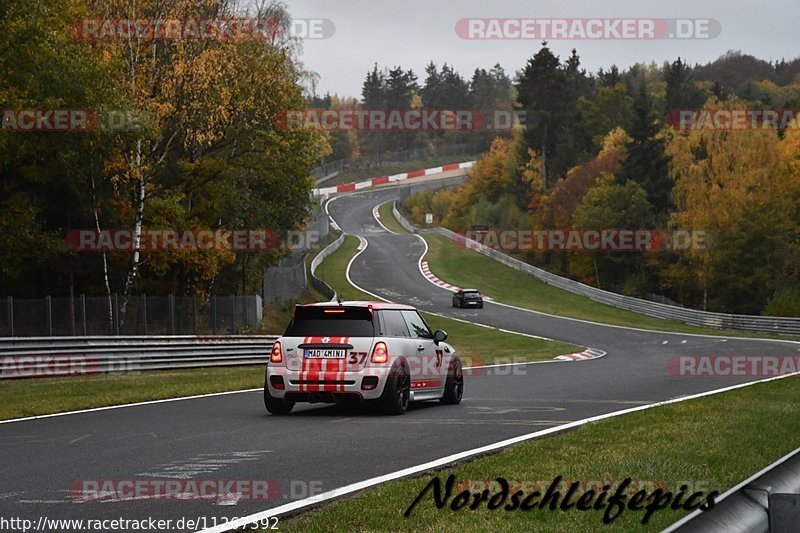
(137, 230)
(105, 259)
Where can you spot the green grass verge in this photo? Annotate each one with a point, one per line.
(29, 397)
(396, 168)
(388, 219)
(474, 344)
(468, 268)
(710, 443)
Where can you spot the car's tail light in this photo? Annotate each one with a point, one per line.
(276, 356)
(379, 353)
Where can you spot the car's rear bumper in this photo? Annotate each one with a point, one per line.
(326, 386)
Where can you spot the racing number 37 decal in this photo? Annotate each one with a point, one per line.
(357, 358)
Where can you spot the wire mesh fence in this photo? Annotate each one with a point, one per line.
(139, 315)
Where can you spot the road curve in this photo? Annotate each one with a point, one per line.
(320, 448)
(634, 369)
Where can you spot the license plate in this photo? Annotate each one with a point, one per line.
(324, 354)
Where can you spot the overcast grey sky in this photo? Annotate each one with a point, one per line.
(412, 32)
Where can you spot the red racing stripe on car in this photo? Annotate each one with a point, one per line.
(343, 364)
(303, 365)
(331, 373)
(314, 374)
(334, 369)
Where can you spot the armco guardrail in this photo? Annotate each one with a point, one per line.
(779, 325)
(317, 283)
(756, 504)
(64, 356)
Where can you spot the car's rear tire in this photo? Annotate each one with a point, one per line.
(397, 392)
(480, 305)
(454, 386)
(276, 406)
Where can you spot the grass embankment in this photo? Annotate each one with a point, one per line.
(39, 396)
(388, 219)
(460, 266)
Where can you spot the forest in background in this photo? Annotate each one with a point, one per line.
(602, 154)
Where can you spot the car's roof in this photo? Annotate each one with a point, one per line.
(373, 305)
(470, 290)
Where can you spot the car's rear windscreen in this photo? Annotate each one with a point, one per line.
(330, 321)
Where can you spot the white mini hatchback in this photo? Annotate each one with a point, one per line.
(363, 351)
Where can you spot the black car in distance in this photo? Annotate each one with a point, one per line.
(468, 298)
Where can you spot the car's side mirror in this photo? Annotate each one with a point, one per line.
(439, 336)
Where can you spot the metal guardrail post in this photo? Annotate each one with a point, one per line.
(214, 314)
(171, 306)
(10, 305)
(233, 314)
(115, 318)
(83, 314)
(194, 314)
(144, 314)
(73, 330)
(48, 304)
(10, 301)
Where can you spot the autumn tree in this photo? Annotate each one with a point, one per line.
(740, 188)
(611, 205)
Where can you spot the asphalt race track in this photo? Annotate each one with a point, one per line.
(320, 448)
